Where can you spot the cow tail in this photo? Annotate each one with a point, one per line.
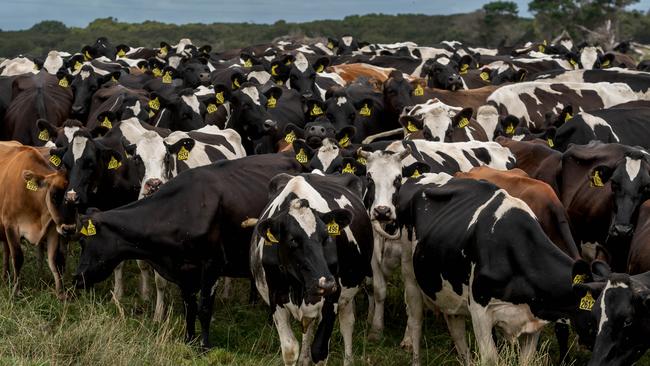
(320, 345)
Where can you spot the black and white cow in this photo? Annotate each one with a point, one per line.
(84, 85)
(310, 79)
(440, 122)
(182, 112)
(639, 81)
(309, 255)
(384, 175)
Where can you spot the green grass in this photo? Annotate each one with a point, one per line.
(89, 329)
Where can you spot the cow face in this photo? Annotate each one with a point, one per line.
(302, 75)
(502, 72)
(304, 245)
(398, 92)
(54, 185)
(179, 113)
(84, 85)
(384, 174)
(98, 257)
(339, 108)
(435, 119)
(593, 58)
(442, 73)
(194, 73)
(326, 158)
(630, 185)
(250, 117)
(621, 314)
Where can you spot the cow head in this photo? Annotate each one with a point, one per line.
(54, 185)
(594, 58)
(180, 112)
(194, 72)
(618, 308)
(442, 73)
(250, 116)
(304, 247)
(302, 76)
(630, 185)
(436, 119)
(501, 72)
(98, 257)
(384, 174)
(84, 85)
(326, 158)
(398, 92)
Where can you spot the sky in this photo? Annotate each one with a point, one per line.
(22, 14)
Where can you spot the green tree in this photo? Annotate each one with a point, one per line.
(498, 18)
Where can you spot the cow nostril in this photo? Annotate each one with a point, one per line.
(268, 125)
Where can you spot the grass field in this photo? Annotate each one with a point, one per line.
(89, 329)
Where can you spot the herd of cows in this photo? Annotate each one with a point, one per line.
(509, 185)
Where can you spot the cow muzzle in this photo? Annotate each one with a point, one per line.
(326, 286)
(78, 109)
(382, 213)
(67, 229)
(151, 186)
(270, 125)
(204, 76)
(71, 197)
(621, 230)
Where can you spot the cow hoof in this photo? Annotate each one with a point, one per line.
(407, 345)
(374, 336)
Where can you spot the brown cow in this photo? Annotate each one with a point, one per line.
(31, 206)
(351, 72)
(536, 159)
(639, 257)
(539, 196)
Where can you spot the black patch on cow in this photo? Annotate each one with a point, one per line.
(483, 155)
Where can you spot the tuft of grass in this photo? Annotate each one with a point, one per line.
(90, 329)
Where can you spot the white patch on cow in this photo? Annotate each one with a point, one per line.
(252, 93)
(132, 129)
(439, 179)
(78, 146)
(261, 76)
(435, 115)
(588, 57)
(343, 201)
(592, 121)
(603, 311)
(567, 43)
(192, 101)
(488, 117)
(135, 108)
(50, 144)
(632, 167)
(203, 90)
(341, 100)
(17, 66)
(327, 153)
(301, 62)
(443, 61)
(480, 209)
(452, 44)
(85, 74)
(53, 62)
(510, 203)
(384, 169)
(484, 51)
(69, 132)
(347, 40)
(305, 49)
(518, 137)
(449, 302)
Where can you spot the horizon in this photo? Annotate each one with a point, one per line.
(23, 14)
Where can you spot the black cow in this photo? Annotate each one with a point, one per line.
(189, 244)
(84, 85)
(312, 250)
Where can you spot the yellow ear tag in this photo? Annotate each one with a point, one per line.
(211, 108)
(567, 117)
(510, 129)
(44, 135)
(484, 76)
(365, 111)
(31, 185)
(35, 67)
(411, 127)
(88, 230)
(279, 82)
(64, 82)
(120, 53)
(301, 157)
(163, 51)
(183, 154)
(316, 111)
(577, 279)
(605, 64)
(156, 72)
(167, 78)
(320, 68)
(290, 137)
(151, 113)
(587, 302)
(330, 45)
(344, 141)
(463, 122)
(362, 160)
(333, 228)
(107, 123)
(77, 65)
(418, 91)
(270, 237)
(415, 174)
(463, 69)
(55, 160)
(573, 63)
(248, 63)
(542, 47)
(596, 181)
(271, 102)
(274, 70)
(219, 97)
(87, 56)
(154, 104)
(235, 84)
(348, 169)
(550, 142)
(113, 163)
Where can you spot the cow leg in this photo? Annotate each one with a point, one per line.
(379, 291)
(52, 255)
(414, 305)
(346, 320)
(6, 272)
(371, 299)
(161, 287)
(309, 328)
(288, 341)
(456, 326)
(118, 287)
(227, 287)
(13, 240)
(562, 335)
(145, 278)
(528, 345)
(482, 324)
(189, 299)
(206, 306)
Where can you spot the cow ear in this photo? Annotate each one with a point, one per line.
(64, 78)
(130, 149)
(351, 166)
(304, 153)
(314, 109)
(99, 131)
(411, 123)
(461, 119)
(365, 107)
(205, 49)
(607, 60)
(600, 175)
(222, 94)
(600, 270)
(415, 170)
(549, 135)
(293, 132)
(336, 220)
(277, 183)
(565, 115)
(236, 79)
(581, 272)
(587, 293)
(112, 76)
(268, 229)
(321, 64)
(520, 75)
(187, 143)
(332, 43)
(106, 119)
(50, 130)
(465, 63)
(275, 92)
(112, 158)
(509, 124)
(344, 136)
